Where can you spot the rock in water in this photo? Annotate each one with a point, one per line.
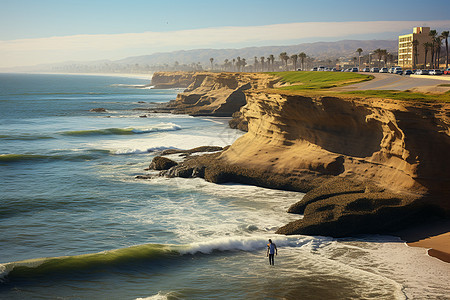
(99, 109)
(161, 163)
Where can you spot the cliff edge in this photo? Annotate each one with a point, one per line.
(171, 80)
(367, 165)
(209, 93)
(383, 163)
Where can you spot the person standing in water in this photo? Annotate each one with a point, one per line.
(271, 251)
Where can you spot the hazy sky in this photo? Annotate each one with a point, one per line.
(46, 31)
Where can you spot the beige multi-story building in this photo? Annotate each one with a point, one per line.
(406, 49)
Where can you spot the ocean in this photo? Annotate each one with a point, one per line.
(76, 224)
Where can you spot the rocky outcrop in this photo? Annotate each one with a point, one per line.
(389, 156)
(218, 94)
(99, 109)
(192, 151)
(169, 80)
(367, 165)
(238, 121)
(341, 207)
(161, 163)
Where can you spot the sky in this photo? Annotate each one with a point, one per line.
(50, 31)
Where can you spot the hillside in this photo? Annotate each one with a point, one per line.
(320, 50)
(167, 60)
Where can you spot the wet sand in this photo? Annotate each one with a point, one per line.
(439, 246)
(434, 236)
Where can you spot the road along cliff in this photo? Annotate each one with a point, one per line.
(367, 165)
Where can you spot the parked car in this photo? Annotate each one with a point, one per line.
(447, 71)
(383, 70)
(321, 68)
(375, 70)
(366, 69)
(314, 69)
(435, 72)
(354, 70)
(391, 69)
(398, 70)
(407, 72)
(421, 72)
(333, 70)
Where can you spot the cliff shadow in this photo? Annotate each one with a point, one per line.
(334, 124)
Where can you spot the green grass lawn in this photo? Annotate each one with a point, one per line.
(319, 83)
(401, 95)
(310, 80)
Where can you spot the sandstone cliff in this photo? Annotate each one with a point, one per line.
(216, 94)
(368, 165)
(169, 80)
(388, 160)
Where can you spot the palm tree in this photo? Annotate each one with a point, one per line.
(285, 57)
(359, 50)
(385, 55)
(432, 34)
(354, 61)
(238, 64)
(272, 59)
(444, 34)
(262, 63)
(243, 63)
(211, 60)
(256, 64)
(234, 63)
(302, 56)
(415, 43)
(294, 58)
(438, 41)
(426, 47)
(379, 53)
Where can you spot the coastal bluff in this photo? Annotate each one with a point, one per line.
(367, 165)
(172, 80)
(210, 93)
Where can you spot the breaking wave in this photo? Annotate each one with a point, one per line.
(71, 156)
(140, 255)
(162, 127)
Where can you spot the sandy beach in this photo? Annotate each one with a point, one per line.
(434, 236)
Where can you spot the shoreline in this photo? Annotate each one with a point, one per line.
(126, 75)
(357, 181)
(434, 236)
(437, 246)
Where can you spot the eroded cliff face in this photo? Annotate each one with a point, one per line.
(367, 165)
(398, 145)
(218, 94)
(383, 164)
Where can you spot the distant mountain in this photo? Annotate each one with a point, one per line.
(158, 61)
(319, 50)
